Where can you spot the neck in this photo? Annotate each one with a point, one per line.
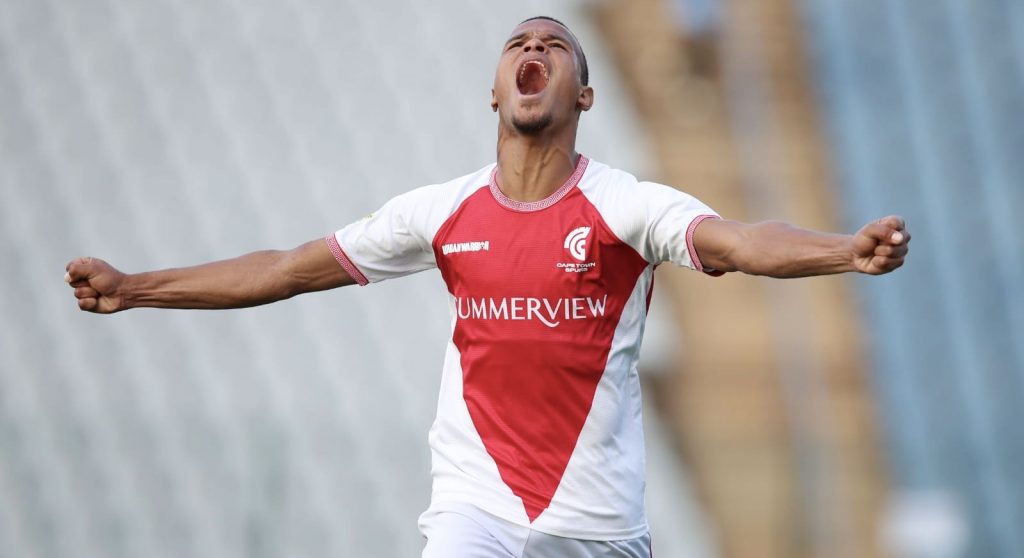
(531, 168)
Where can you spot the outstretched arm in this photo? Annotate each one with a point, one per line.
(780, 250)
(249, 280)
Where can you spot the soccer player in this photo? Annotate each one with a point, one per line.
(548, 257)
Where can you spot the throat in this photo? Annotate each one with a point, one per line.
(527, 179)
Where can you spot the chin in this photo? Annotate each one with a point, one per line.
(532, 124)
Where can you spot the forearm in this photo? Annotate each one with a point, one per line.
(249, 280)
(780, 250)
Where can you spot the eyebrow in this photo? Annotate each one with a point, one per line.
(546, 36)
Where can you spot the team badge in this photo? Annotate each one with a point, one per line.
(576, 244)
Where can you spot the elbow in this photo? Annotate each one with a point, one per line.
(281, 280)
(727, 263)
(747, 248)
(749, 264)
(738, 254)
(753, 254)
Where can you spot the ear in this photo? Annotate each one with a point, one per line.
(586, 98)
(494, 102)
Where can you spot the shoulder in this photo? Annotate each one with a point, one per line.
(426, 208)
(607, 186)
(456, 189)
(599, 176)
(439, 200)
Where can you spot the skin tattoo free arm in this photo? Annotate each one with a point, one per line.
(780, 250)
(250, 280)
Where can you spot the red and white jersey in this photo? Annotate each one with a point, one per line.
(538, 419)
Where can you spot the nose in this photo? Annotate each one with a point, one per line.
(535, 44)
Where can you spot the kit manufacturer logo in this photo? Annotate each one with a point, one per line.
(458, 247)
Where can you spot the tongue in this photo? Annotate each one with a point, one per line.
(532, 79)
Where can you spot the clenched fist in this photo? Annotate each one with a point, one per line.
(97, 285)
(880, 247)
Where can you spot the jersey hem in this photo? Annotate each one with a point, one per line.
(345, 261)
(453, 503)
(693, 251)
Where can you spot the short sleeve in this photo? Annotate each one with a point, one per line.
(388, 243)
(655, 220)
(671, 219)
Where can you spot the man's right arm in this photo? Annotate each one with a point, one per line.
(250, 280)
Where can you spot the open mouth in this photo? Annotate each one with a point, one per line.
(532, 77)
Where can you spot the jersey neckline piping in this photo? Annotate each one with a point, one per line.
(524, 207)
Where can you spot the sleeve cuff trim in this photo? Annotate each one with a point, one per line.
(693, 251)
(343, 259)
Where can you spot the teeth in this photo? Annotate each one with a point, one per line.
(543, 69)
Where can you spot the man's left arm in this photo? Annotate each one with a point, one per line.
(780, 250)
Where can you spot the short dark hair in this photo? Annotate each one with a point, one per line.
(581, 58)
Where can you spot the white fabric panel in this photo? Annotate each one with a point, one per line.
(650, 217)
(612, 435)
(454, 430)
(395, 240)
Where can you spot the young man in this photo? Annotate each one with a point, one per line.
(548, 258)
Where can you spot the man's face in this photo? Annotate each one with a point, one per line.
(537, 82)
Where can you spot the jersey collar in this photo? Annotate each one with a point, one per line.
(565, 188)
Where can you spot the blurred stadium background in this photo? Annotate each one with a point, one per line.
(828, 417)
